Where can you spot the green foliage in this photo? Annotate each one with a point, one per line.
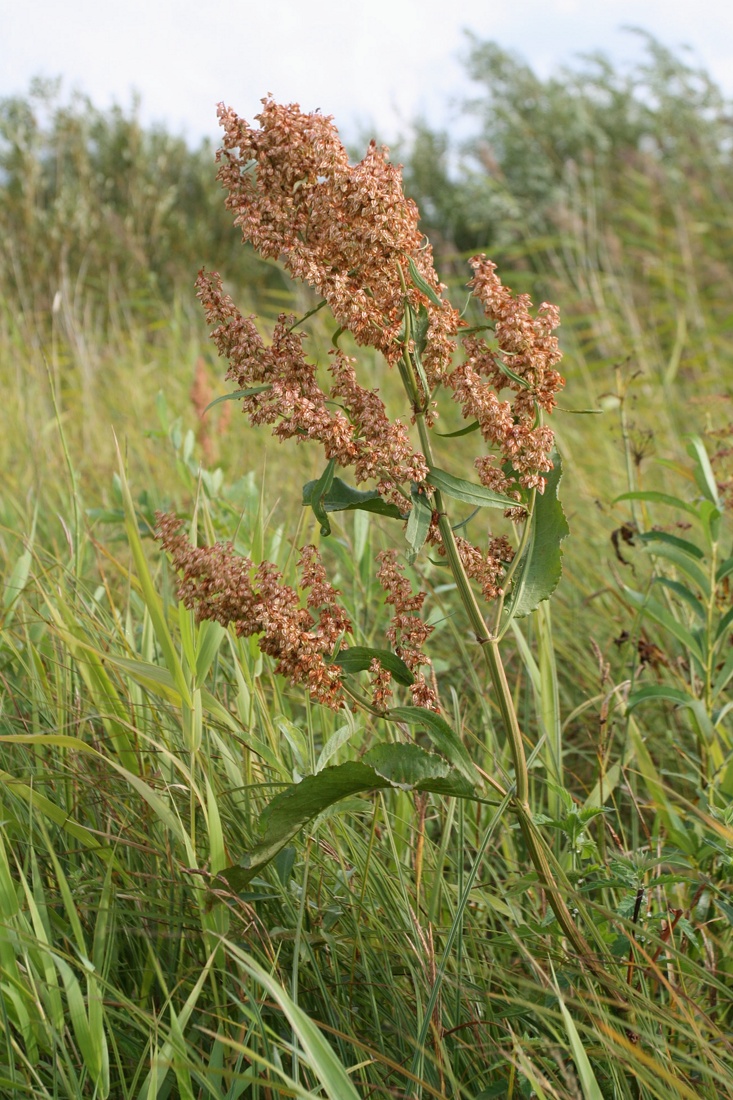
(95, 208)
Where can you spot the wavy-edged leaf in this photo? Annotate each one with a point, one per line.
(468, 491)
(540, 571)
(341, 497)
(358, 658)
(406, 767)
(411, 768)
(443, 736)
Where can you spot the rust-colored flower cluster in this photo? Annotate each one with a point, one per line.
(523, 361)
(287, 395)
(345, 230)
(227, 588)
(407, 631)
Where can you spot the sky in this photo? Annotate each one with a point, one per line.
(375, 65)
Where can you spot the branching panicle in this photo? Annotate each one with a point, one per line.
(226, 588)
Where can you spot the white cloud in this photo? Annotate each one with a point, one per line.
(372, 63)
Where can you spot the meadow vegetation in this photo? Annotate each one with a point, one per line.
(213, 884)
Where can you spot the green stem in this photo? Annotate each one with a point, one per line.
(489, 645)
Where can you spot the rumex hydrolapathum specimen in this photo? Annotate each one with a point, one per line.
(349, 232)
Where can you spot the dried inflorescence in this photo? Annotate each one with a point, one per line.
(407, 631)
(289, 397)
(346, 230)
(523, 361)
(227, 588)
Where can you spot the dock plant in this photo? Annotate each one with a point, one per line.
(350, 234)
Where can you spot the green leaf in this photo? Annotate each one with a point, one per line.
(150, 595)
(509, 373)
(468, 491)
(684, 545)
(418, 523)
(710, 517)
(588, 1080)
(411, 768)
(684, 593)
(724, 570)
(542, 566)
(421, 285)
(660, 615)
(680, 557)
(358, 658)
(724, 676)
(250, 392)
(341, 497)
(318, 490)
(420, 326)
(14, 585)
(660, 691)
(704, 476)
(724, 624)
(653, 497)
(461, 431)
(443, 736)
(407, 767)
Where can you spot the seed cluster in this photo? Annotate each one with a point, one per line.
(349, 232)
(227, 588)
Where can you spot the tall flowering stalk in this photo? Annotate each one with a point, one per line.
(349, 232)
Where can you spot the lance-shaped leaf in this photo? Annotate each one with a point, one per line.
(539, 574)
(237, 395)
(421, 285)
(358, 658)
(318, 490)
(474, 427)
(340, 497)
(404, 767)
(468, 491)
(418, 523)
